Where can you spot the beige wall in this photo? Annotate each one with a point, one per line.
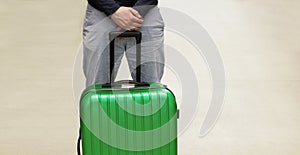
(258, 40)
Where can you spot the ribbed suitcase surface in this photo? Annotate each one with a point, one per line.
(121, 121)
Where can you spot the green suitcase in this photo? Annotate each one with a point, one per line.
(128, 117)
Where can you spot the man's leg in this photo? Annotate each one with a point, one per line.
(152, 60)
(103, 71)
(95, 47)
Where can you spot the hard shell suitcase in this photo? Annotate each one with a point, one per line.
(128, 117)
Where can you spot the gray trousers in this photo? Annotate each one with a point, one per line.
(96, 48)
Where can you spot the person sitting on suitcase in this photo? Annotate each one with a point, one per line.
(104, 16)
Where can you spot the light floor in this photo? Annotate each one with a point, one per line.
(259, 43)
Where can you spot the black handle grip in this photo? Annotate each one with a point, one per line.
(126, 34)
(122, 82)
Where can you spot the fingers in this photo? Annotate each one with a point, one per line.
(136, 16)
(132, 28)
(128, 27)
(133, 24)
(135, 13)
(137, 25)
(128, 19)
(137, 20)
(136, 28)
(118, 28)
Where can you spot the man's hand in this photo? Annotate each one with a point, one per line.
(127, 18)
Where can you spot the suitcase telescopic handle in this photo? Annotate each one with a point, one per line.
(138, 36)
